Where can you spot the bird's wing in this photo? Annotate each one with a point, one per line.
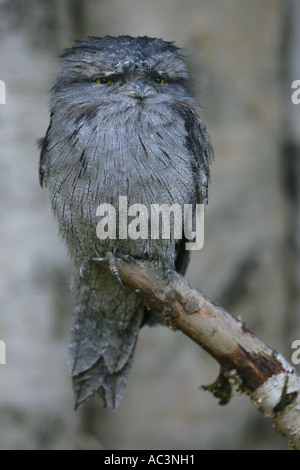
(201, 150)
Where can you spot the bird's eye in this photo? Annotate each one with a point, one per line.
(161, 80)
(103, 80)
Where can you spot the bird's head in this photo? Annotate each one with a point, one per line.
(120, 74)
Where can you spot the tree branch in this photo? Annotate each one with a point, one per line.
(257, 370)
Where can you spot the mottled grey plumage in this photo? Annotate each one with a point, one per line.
(138, 135)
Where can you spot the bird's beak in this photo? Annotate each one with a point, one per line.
(139, 89)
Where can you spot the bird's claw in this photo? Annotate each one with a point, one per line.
(83, 265)
(111, 259)
(127, 258)
(167, 274)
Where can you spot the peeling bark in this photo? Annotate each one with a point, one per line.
(256, 369)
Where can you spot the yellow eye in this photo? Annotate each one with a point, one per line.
(161, 80)
(103, 80)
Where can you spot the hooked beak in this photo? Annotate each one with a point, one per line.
(139, 90)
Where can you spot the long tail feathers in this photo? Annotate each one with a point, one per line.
(106, 323)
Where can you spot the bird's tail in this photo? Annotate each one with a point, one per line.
(106, 322)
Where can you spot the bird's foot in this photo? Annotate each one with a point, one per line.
(167, 273)
(83, 265)
(127, 258)
(110, 257)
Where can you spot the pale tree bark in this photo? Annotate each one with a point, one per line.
(246, 362)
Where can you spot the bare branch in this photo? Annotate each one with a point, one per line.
(257, 370)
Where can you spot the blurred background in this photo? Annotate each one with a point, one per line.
(243, 57)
